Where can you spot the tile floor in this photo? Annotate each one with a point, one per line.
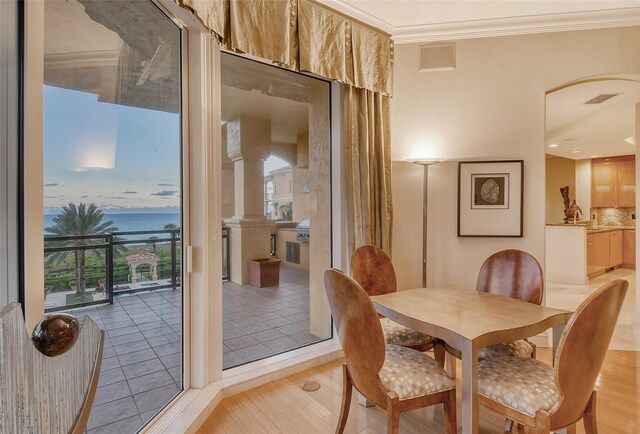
(142, 361)
(569, 296)
(260, 322)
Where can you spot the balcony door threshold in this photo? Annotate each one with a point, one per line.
(190, 409)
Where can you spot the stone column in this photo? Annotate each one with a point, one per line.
(300, 176)
(248, 143)
(319, 208)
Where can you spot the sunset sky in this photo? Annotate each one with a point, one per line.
(118, 157)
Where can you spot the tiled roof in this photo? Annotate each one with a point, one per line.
(142, 256)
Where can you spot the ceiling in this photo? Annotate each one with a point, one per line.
(595, 130)
(429, 20)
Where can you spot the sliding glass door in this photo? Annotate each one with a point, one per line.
(113, 195)
(276, 209)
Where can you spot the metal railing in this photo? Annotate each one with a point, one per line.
(110, 245)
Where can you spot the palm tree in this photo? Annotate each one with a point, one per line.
(153, 241)
(171, 227)
(77, 220)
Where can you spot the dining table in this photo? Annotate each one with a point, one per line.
(470, 320)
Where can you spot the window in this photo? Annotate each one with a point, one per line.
(277, 135)
(113, 208)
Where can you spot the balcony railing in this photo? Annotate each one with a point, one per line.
(76, 260)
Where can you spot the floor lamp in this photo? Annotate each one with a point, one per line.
(424, 162)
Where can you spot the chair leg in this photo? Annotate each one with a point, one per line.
(347, 388)
(534, 352)
(439, 354)
(393, 418)
(571, 429)
(508, 425)
(543, 422)
(450, 418)
(451, 365)
(589, 417)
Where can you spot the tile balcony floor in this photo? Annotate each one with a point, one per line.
(260, 322)
(142, 361)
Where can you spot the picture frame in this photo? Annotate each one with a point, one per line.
(490, 198)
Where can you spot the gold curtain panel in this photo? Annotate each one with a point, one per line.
(367, 140)
(304, 36)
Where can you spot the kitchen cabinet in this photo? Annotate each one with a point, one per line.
(597, 253)
(629, 249)
(615, 248)
(627, 183)
(604, 178)
(613, 182)
(604, 251)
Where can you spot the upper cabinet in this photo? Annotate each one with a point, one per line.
(627, 183)
(613, 182)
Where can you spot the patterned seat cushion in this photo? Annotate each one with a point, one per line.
(397, 334)
(524, 384)
(410, 373)
(519, 348)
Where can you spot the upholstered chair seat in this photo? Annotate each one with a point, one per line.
(519, 348)
(410, 374)
(524, 384)
(397, 334)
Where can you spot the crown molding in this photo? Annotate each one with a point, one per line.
(358, 14)
(549, 23)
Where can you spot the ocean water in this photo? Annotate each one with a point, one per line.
(132, 221)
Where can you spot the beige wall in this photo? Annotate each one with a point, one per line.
(490, 107)
(560, 172)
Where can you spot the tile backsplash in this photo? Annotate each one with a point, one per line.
(613, 216)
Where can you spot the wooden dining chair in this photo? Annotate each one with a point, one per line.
(509, 273)
(549, 398)
(393, 377)
(373, 270)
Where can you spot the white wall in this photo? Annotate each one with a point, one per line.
(407, 182)
(560, 172)
(491, 107)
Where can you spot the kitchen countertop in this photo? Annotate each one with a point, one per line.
(592, 229)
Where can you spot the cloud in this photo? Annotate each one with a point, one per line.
(116, 197)
(52, 184)
(52, 197)
(164, 193)
(84, 197)
(129, 192)
(165, 185)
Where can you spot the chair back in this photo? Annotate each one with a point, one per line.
(512, 273)
(360, 333)
(373, 270)
(583, 347)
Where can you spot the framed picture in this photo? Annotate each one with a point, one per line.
(490, 198)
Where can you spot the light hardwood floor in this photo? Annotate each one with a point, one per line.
(282, 407)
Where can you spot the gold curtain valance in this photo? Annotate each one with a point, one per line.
(304, 36)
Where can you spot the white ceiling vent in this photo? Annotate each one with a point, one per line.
(601, 98)
(437, 57)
